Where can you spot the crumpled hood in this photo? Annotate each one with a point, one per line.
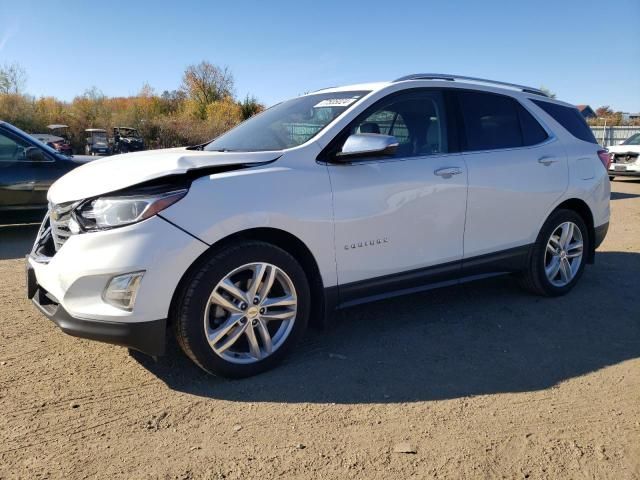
(120, 171)
(624, 148)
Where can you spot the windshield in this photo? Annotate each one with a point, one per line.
(99, 137)
(287, 124)
(632, 140)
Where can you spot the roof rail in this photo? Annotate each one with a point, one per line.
(452, 78)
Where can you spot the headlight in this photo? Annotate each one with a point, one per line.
(117, 211)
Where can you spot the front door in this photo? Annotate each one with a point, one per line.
(17, 175)
(396, 217)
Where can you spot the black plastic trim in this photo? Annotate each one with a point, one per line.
(599, 234)
(443, 275)
(510, 260)
(623, 173)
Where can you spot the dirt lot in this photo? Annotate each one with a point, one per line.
(481, 380)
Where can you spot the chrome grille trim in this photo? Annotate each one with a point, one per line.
(43, 233)
(59, 216)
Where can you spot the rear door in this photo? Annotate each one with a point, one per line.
(517, 171)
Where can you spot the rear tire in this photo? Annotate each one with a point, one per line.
(556, 263)
(232, 327)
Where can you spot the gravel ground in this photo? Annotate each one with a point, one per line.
(481, 380)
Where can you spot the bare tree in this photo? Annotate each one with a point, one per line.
(604, 111)
(205, 83)
(13, 78)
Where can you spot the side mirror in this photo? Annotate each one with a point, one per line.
(34, 154)
(367, 145)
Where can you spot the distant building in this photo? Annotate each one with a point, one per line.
(586, 111)
(627, 117)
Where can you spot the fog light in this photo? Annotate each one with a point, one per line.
(122, 290)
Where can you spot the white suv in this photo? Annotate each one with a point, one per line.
(335, 198)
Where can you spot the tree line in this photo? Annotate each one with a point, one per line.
(202, 108)
(605, 115)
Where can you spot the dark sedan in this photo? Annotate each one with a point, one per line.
(28, 167)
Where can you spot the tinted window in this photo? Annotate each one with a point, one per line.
(532, 131)
(490, 121)
(416, 119)
(570, 118)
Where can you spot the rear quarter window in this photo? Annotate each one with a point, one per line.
(532, 131)
(570, 118)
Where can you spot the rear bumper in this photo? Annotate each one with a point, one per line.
(146, 337)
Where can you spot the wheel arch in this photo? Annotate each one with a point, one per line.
(581, 208)
(284, 240)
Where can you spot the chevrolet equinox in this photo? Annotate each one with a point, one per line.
(335, 198)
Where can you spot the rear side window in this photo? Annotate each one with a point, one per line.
(490, 121)
(532, 131)
(570, 118)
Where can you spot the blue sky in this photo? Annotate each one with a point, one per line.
(586, 52)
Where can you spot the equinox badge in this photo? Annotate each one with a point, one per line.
(367, 243)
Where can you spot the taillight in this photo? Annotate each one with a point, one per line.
(605, 158)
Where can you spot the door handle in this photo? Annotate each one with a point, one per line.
(547, 160)
(448, 172)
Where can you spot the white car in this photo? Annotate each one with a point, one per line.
(625, 158)
(339, 197)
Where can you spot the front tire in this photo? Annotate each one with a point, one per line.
(241, 311)
(611, 178)
(558, 257)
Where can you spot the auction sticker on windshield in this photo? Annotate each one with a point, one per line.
(336, 102)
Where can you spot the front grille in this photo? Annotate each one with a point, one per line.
(625, 158)
(59, 216)
(43, 248)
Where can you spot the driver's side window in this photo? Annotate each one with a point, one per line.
(386, 122)
(416, 120)
(12, 150)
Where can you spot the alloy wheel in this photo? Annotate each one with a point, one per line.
(250, 313)
(563, 255)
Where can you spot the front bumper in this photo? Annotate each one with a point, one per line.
(146, 337)
(68, 286)
(626, 173)
(625, 169)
